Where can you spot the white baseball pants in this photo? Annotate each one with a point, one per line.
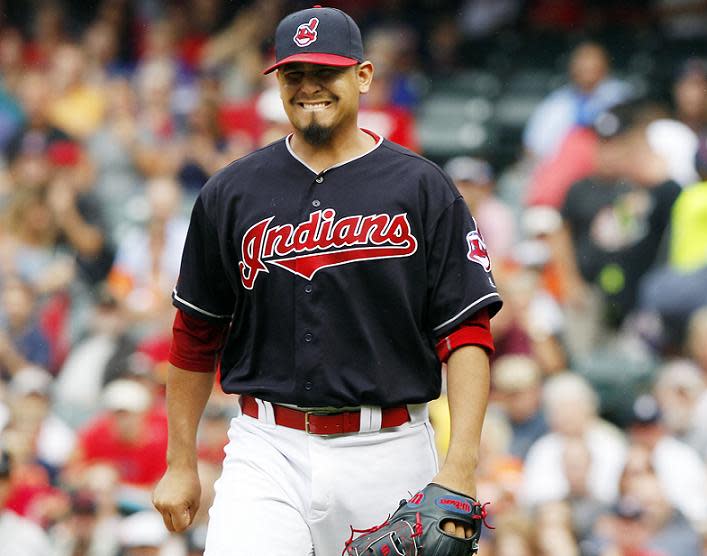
(283, 492)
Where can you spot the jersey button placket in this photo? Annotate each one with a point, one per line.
(316, 203)
(308, 351)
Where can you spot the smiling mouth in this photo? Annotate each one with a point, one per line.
(314, 106)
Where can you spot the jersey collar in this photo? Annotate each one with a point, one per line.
(379, 142)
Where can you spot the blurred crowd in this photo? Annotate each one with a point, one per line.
(111, 120)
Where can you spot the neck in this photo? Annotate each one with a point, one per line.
(342, 147)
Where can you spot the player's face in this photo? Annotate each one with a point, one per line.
(320, 100)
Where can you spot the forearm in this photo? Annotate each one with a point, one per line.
(187, 394)
(468, 380)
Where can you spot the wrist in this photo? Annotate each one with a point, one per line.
(462, 459)
(459, 478)
(184, 462)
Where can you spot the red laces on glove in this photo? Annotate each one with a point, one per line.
(418, 526)
(366, 531)
(483, 512)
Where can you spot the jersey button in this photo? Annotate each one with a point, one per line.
(308, 337)
(308, 385)
(308, 288)
(319, 179)
(316, 203)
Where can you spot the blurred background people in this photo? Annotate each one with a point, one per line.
(591, 91)
(142, 534)
(475, 180)
(690, 95)
(674, 290)
(19, 536)
(571, 410)
(517, 390)
(677, 465)
(130, 435)
(614, 223)
(22, 341)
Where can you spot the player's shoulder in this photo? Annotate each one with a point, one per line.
(239, 173)
(418, 165)
(248, 164)
(413, 159)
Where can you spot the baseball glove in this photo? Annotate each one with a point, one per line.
(415, 529)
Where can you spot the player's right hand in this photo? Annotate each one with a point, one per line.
(177, 497)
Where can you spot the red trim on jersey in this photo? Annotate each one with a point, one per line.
(372, 134)
(196, 343)
(475, 331)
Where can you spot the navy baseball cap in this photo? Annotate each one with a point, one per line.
(318, 35)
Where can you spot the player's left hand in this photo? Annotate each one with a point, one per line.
(460, 479)
(417, 527)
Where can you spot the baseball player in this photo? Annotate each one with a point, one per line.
(331, 273)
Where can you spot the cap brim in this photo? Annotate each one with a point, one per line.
(315, 58)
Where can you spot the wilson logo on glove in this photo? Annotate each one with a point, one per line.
(454, 505)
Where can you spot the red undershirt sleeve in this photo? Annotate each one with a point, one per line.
(196, 343)
(475, 331)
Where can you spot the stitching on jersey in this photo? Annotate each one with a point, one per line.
(298, 159)
(465, 309)
(202, 311)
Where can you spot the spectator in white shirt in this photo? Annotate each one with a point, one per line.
(571, 410)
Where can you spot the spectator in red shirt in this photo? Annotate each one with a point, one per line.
(131, 435)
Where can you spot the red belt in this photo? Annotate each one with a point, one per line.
(316, 422)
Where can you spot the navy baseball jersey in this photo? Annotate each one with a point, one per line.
(337, 284)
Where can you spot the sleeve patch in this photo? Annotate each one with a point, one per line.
(477, 251)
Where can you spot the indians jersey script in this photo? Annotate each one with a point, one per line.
(337, 284)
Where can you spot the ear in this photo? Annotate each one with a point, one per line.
(364, 76)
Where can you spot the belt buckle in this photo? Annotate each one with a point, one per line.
(306, 421)
(307, 424)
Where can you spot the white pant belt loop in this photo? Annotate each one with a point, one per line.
(371, 417)
(266, 414)
(418, 412)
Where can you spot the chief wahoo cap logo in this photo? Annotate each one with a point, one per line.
(306, 33)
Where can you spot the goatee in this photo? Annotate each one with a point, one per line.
(316, 135)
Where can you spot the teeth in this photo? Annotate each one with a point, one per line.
(314, 106)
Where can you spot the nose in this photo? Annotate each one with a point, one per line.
(310, 83)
